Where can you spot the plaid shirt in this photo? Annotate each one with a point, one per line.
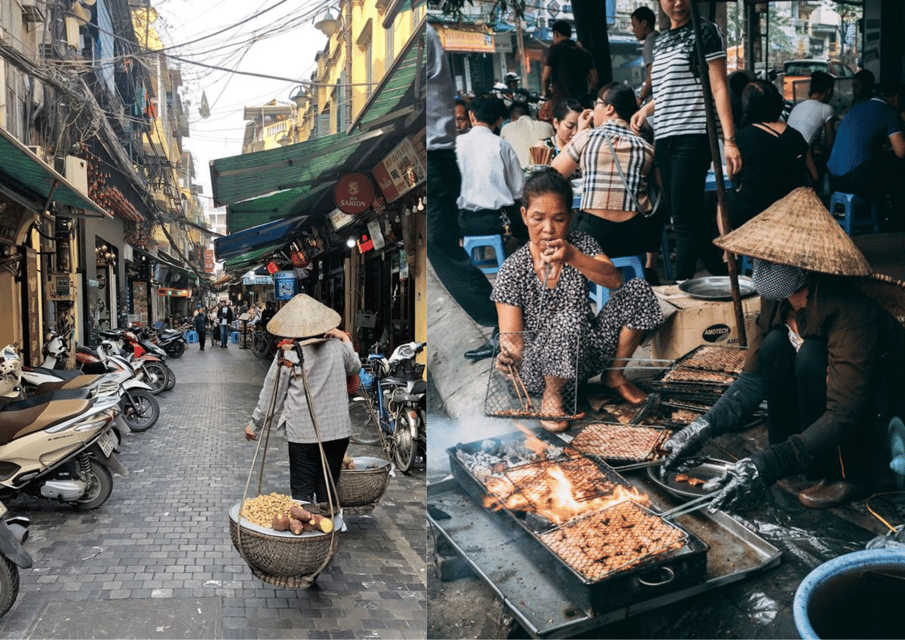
(603, 187)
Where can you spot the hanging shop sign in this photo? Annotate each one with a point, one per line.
(175, 293)
(252, 281)
(208, 261)
(339, 219)
(462, 41)
(376, 234)
(400, 172)
(353, 193)
(285, 285)
(272, 267)
(365, 243)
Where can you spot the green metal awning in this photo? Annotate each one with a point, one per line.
(277, 206)
(244, 261)
(305, 164)
(401, 92)
(32, 183)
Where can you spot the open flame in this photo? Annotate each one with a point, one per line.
(554, 498)
(537, 446)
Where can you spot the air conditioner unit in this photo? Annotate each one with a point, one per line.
(32, 10)
(77, 173)
(38, 151)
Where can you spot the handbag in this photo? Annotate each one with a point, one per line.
(655, 194)
(216, 332)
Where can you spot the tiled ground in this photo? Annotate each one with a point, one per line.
(160, 546)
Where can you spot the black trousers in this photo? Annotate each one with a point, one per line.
(202, 335)
(306, 473)
(617, 239)
(465, 282)
(796, 397)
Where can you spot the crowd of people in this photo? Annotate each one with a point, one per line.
(621, 163)
(226, 317)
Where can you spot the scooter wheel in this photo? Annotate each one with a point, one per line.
(171, 379)
(141, 412)
(160, 376)
(175, 349)
(100, 486)
(405, 448)
(9, 585)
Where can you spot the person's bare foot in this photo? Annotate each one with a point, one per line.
(555, 426)
(626, 390)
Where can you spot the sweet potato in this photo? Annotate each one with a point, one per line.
(280, 522)
(300, 514)
(296, 526)
(322, 523)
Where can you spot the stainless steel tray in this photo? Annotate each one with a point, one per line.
(717, 287)
(533, 595)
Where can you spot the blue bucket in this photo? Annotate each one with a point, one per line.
(834, 589)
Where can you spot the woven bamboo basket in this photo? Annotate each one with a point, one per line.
(363, 486)
(280, 554)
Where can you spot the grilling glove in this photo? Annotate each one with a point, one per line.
(745, 482)
(683, 444)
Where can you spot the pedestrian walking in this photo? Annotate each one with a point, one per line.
(200, 324)
(327, 357)
(224, 320)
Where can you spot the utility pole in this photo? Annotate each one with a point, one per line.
(520, 40)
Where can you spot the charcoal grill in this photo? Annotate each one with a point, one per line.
(702, 361)
(647, 575)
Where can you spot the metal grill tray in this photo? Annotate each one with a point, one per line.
(546, 609)
(676, 568)
(704, 388)
(620, 460)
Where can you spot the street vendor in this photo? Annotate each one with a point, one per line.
(542, 290)
(310, 329)
(826, 356)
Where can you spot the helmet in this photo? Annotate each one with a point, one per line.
(10, 373)
(510, 77)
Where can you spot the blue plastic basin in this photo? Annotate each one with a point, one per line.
(837, 589)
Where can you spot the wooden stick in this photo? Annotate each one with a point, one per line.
(513, 376)
(518, 377)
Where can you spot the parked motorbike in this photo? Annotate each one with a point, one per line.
(140, 409)
(170, 340)
(13, 534)
(398, 402)
(55, 447)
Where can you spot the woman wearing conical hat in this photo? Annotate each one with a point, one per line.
(328, 358)
(827, 358)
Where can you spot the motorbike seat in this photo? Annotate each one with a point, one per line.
(63, 374)
(17, 423)
(80, 382)
(419, 387)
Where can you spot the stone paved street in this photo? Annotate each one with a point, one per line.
(156, 560)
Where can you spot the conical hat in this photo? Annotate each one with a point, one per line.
(886, 290)
(303, 317)
(798, 231)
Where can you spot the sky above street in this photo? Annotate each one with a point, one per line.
(270, 37)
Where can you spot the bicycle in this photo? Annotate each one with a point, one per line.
(262, 344)
(367, 406)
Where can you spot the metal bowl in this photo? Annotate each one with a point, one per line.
(710, 468)
(717, 287)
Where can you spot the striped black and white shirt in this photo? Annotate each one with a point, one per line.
(675, 79)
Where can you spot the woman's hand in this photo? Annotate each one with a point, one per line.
(733, 159)
(555, 253)
(640, 117)
(585, 120)
(250, 433)
(339, 335)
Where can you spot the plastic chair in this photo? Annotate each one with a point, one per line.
(234, 337)
(747, 267)
(191, 337)
(850, 203)
(630, 266)
(470, 243)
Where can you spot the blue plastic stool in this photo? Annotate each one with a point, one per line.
(630, 266)
(234, 337)
(850, 203)
(470, 243)
(191, 337)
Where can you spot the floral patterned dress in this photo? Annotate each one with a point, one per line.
(563, 338)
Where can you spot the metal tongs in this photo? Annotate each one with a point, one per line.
(688, 507)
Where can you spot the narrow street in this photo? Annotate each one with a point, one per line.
(156, 560)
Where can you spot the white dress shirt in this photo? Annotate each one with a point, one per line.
(491, 174)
